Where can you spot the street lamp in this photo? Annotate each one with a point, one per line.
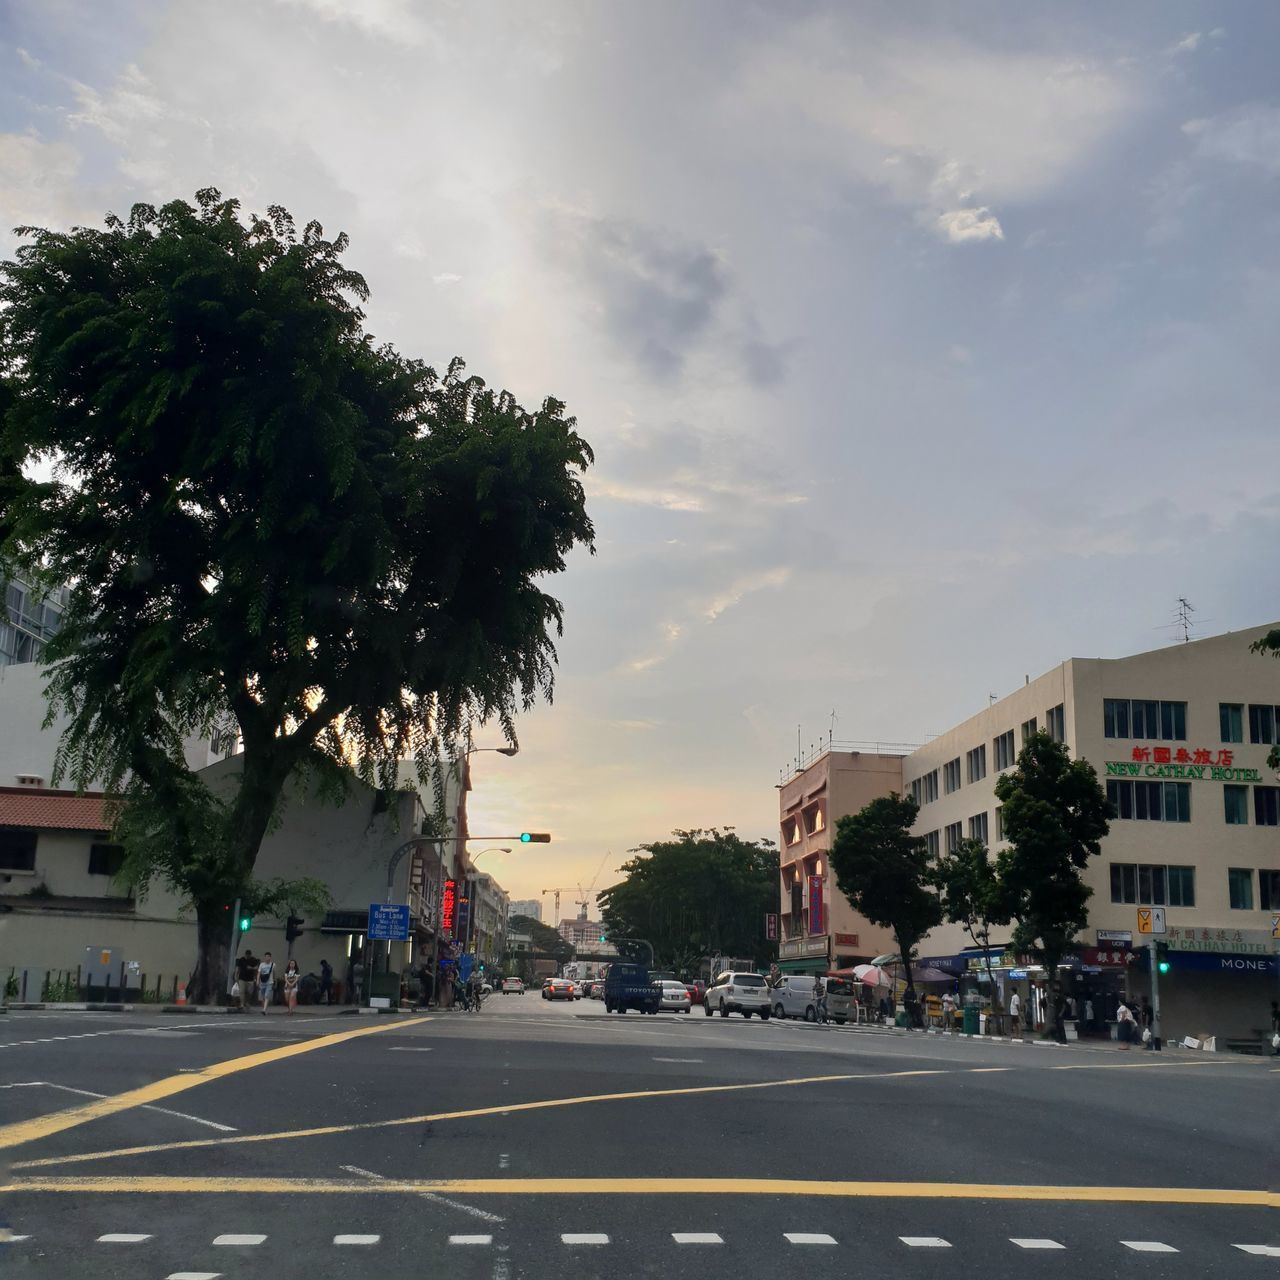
(473, 931)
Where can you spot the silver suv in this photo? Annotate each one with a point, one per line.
(743, 993)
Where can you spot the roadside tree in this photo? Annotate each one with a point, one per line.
(886, 874)
(548, 944)
(1270, 644)
(269, 524)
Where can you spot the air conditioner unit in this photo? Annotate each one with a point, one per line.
(29, 780)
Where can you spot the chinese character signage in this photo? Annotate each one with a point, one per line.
(817, 923)
(449, 906)
(1198, 764)
(771, 926)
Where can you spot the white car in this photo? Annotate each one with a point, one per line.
(743, 993)
(675, 995)
(795, 998)
(512, 987)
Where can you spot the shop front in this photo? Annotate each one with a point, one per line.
(805, 955)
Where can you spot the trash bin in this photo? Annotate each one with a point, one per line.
(970, 1021)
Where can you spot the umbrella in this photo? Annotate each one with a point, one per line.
(872, 975)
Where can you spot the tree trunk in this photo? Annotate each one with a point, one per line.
(213, 954)
(909, 996)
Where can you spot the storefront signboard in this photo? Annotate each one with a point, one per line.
(1246, 942)
(1105, 957)
(846, 939)
(1114, 937)
(817, 924)
(1209, 962)
(803, 947)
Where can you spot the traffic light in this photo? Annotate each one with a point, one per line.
(604, 938)
(292, 928)
(535, 837)
(246, 923)
(1162, 957)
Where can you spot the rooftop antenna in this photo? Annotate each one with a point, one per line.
(992, 699)
(831, 732)
(1185, 610)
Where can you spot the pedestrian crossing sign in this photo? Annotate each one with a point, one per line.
(1151, 920)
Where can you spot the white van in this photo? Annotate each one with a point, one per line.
(795, 998)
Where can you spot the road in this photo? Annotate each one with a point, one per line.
(536, 1140)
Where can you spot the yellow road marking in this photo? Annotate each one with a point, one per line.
(24, 1131)
(649, 1186)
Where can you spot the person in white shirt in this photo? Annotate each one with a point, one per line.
(948, 1011)
(1015, 1011)
(1126, 1026)
(266, 980)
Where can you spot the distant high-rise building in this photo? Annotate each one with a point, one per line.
(530, 907)
(28, 621)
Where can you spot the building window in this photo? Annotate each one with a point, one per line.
(813, 820)
(17, 850)
(951, 776)
(929, 785)
(1262, 723)
(1144, 718)
(976, 763)
(1240, 888)
(1153, 885)
(105, 859)
(1150, 801)
(1268, 889)
(954, 833)
(931, 843)
(1028, 730)
(1266, 806)
(1231, 721)
(1000, 822)
(978, 827)
(1002, 750)
(917, 791)
(1055, 723)
(1235, 803)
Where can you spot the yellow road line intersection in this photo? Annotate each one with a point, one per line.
(645, 1186)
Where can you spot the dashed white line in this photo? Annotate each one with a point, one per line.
(122, 1238)
(407, 1048)
(696, 1237)
(470, 1239)
(925, 1242)
(238, 1239)
(584, 1238)
(356, 1239)
(1031, 1243)
(808, 1237)
(677, 1059)
(7, 1237)
(1259, 1250)
(504, 1161)
(363, 1173)
(1148, 1246)
(193, 1275)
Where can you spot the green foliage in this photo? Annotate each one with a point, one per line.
(546, 940)
(1270, 644)
(885, 872)
(701, 893)
(974, 896)
(267, 522)
(1055, 816)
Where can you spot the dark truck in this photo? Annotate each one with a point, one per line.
(628, 986)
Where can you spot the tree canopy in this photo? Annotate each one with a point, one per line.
(546, 940)
(885, 872)
(1055, 816)
(701, 893)
(267, 521)
(1270, 644)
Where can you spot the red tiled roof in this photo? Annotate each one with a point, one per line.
(52, 810)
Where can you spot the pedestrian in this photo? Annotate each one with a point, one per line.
(1088, 1013)
(1015, 1010)
(1275, 1028)
(249, 983)
(266, 980)
(948, 1011)
(291, 977)
(1126, 1027)
(245, 967)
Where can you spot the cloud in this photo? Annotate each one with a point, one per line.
(661, 297)
(744, 587)
(399, 21)
(1249, 136)
(962, 225)
(1188, 44)
(446, 277)
(39, 185)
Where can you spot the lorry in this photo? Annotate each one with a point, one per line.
(628, 986)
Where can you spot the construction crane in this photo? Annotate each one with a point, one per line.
(566, 888)
(585, 896)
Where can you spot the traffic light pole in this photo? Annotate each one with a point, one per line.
(233, 945)
(1155, 991)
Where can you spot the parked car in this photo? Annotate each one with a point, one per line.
(512, 987)
(794, 998)
(597, 990)
(675, 995)
(628, 986)
(558, 989)
(743, 993)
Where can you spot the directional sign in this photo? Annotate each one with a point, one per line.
(388, 923)
(1151, 920)
(1275, 926)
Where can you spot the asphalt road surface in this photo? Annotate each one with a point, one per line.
(536, 1140)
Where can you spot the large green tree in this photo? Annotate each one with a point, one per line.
(973, 895)
(1270, 644)
(267, 522)
(699, 894)
(1055, 816)
(886, 873)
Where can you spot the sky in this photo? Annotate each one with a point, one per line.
(921, 347)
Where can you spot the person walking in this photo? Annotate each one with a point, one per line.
(291, 979)
(325, 992)
(948, 1011)
(1015, 1012)
(1088, 1013)
(1126, 1026)
(246, 966)
(266, 980)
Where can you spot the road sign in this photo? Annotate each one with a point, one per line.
(771, 926)
(1275, 926)
(388, 922)
(1151, 920)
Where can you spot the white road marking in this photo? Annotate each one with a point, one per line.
(193, 1275)
(483, 1214)
(356, 1239)
(808, 1237)
(7, 1237)
(677, 1059)
(362, 1173)
(584, 1238)
(88, 1093)
(504, 1161)
(238, 1239)
(1258, 1250)
(470, 1239)
(114, 1031)
(696, 1237)
(407, 1048)
(1035, 1244)
(121, 1238)
(925, 1242)
(1148, 1246)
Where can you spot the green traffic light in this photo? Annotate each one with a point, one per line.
(1164, 966)
(245, 923)
(535, 837)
